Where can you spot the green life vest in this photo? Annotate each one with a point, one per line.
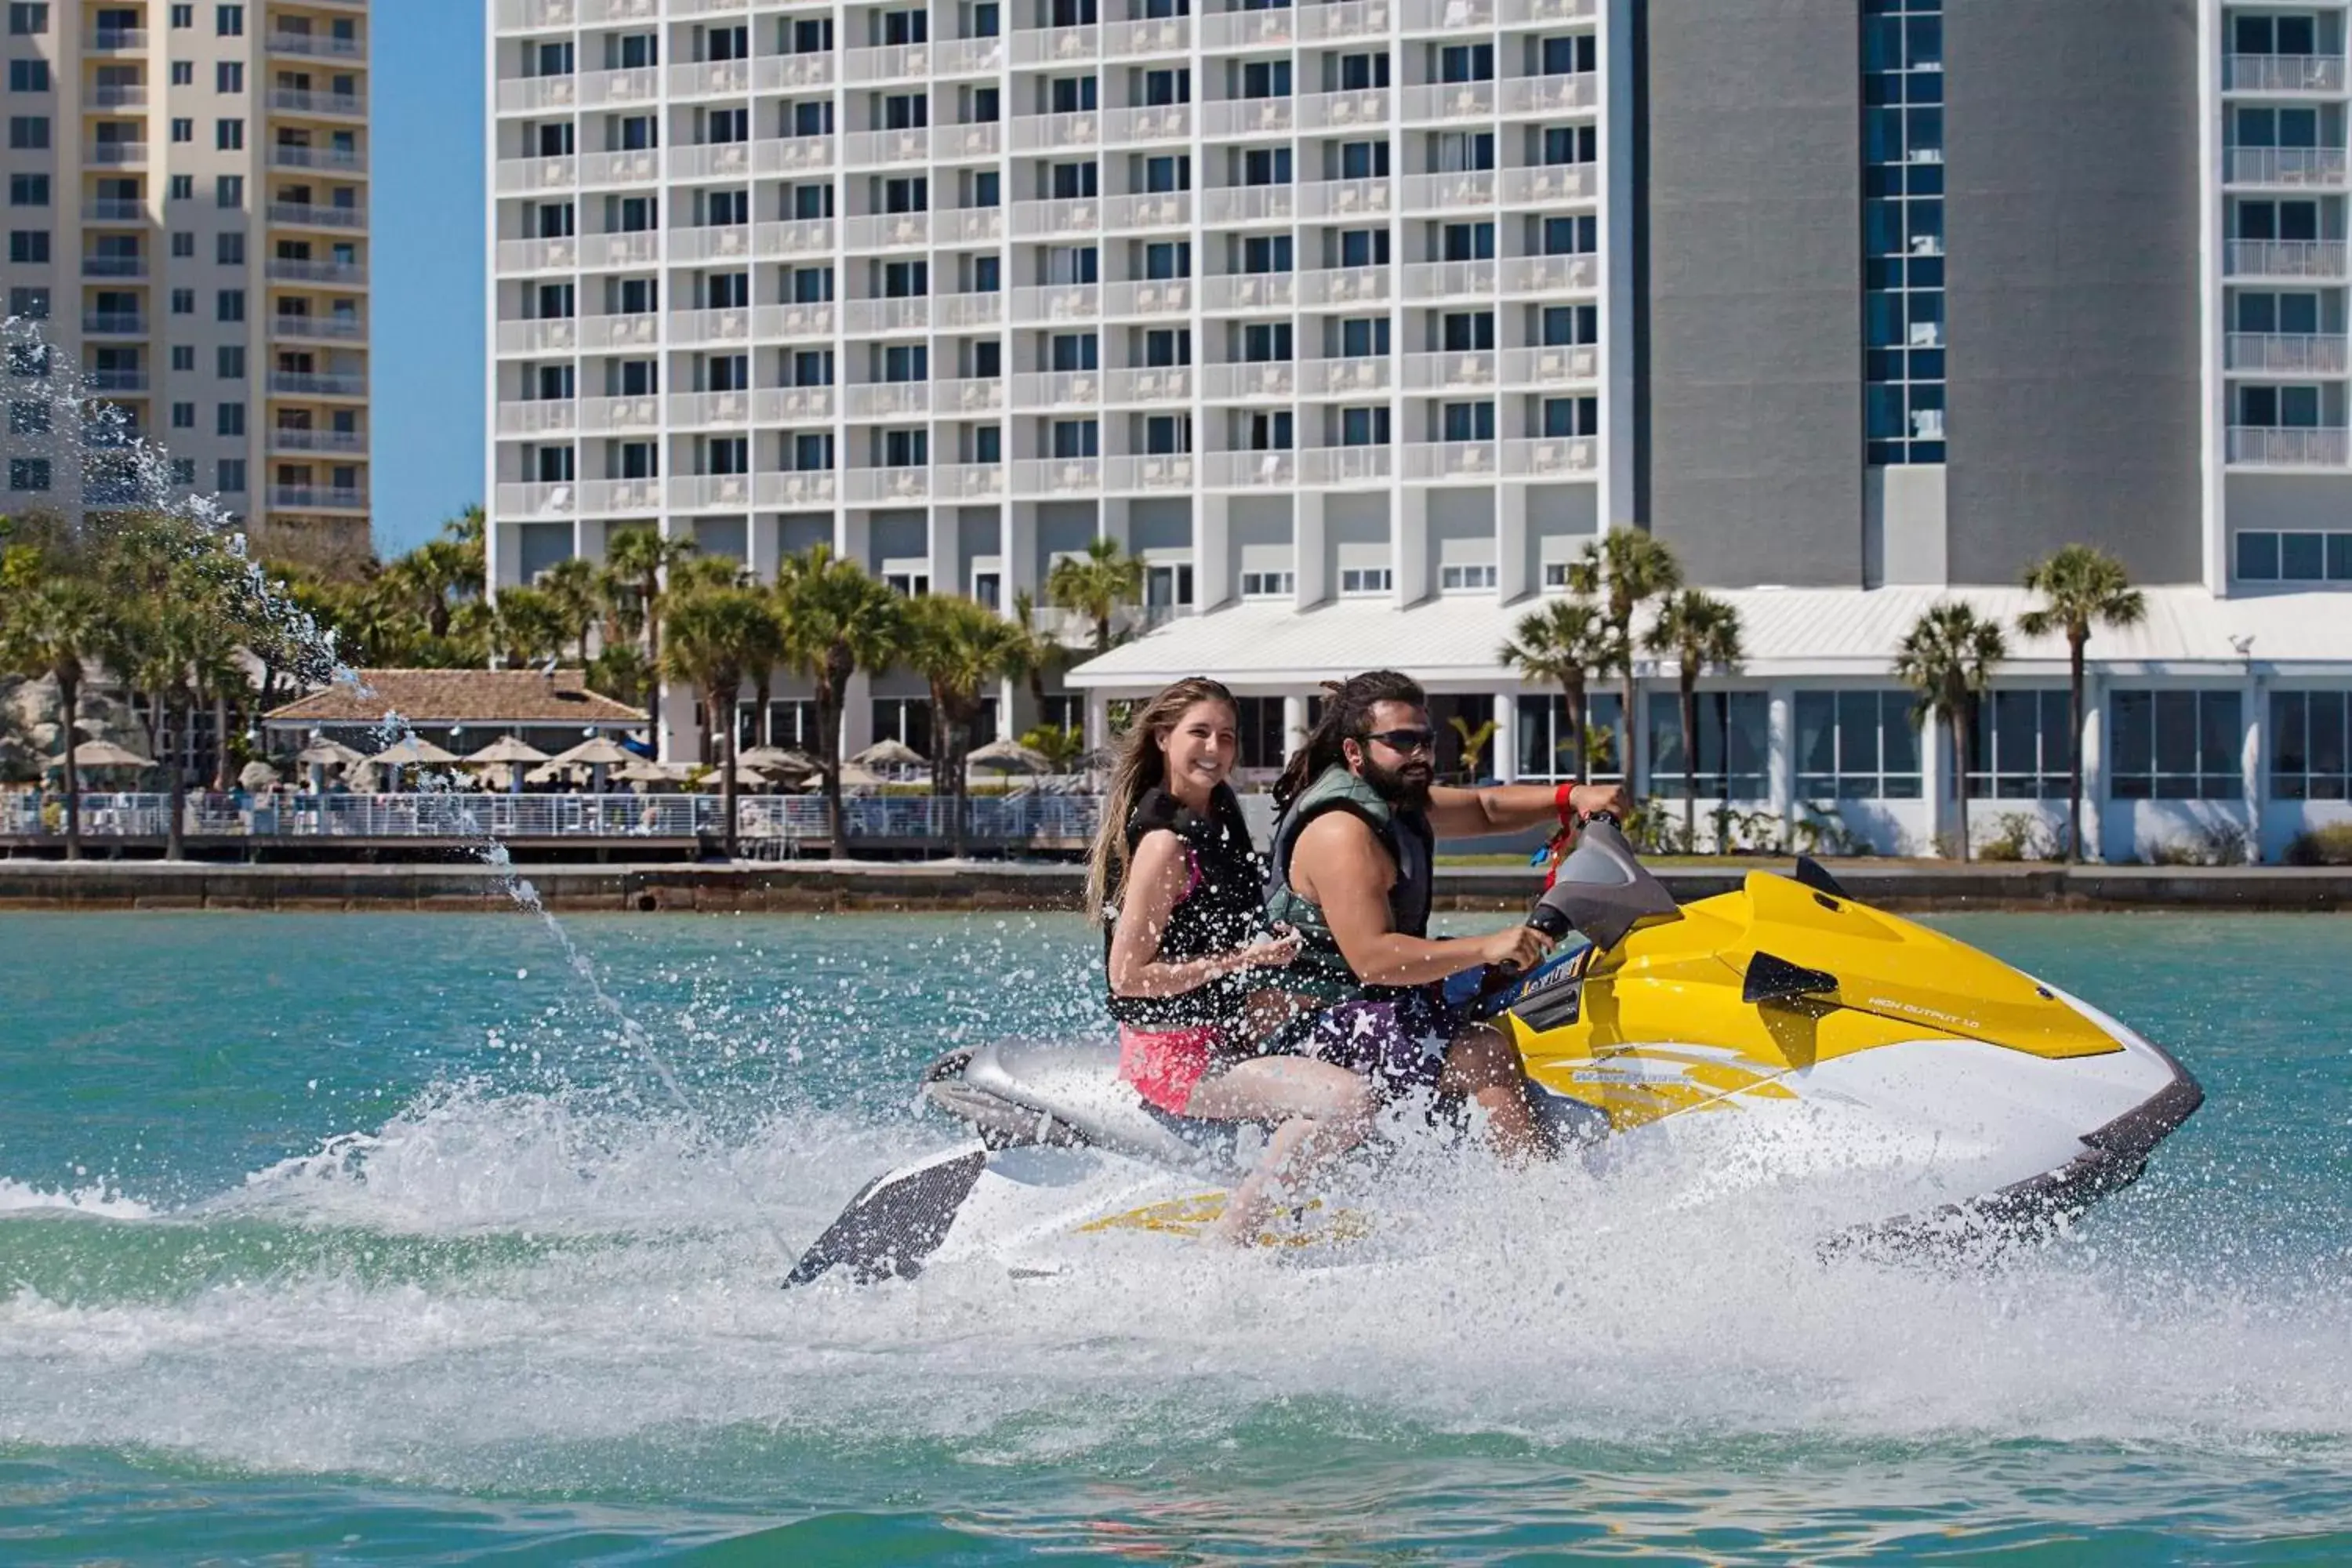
(1320, 970)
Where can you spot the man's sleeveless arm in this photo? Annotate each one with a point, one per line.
(1341, 864)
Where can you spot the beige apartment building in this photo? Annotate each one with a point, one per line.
(187, 218)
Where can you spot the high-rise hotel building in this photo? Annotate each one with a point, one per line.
(187, 224)
(1357, 320)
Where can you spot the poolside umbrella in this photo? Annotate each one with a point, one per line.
(779, 759)
(855, 777)
(558, 771)
(595, 754)
(1010, 757)
(411, 751)
(642, 771)
(327, 754)
(107, 755)
(509, 754)
(891, 754)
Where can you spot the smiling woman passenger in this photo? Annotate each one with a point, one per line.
(1173, 879)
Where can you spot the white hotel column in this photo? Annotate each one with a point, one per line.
(1935, 767)
(2251, 758)
(1781, 757)
(2094, 767)
(1505, 747)
(1294, 726)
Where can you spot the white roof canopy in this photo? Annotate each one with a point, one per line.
(1451, 642)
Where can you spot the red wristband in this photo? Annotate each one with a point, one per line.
(1563, 801)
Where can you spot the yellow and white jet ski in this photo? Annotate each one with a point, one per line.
(1781, 1032)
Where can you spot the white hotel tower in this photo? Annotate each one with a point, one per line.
(1294, 304)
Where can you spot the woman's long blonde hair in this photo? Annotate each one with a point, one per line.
(1142, 766)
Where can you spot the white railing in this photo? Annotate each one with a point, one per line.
(1155, 384)
(1056, 388)
(318, 328)
(958, 310)
(699, 492)
(1035, 133)
(1448, 459)
(967, 56)
(1548, 94)
(291, 155)
(793, 236)
(710, 160)
(315, 46)
(1273, 378)
(620, 330)
(867, 148)
(318, 498)
(1466, 369)
(774, 404)
(969, 394)
(967, 225)
(641, 85)
(779, 73)
(1076, 214)
(726, 326)
(1057, 302)
(792, 154)
(886, 231)
(1250, 290)
(2286, 167)
(1223, 117)
(516, 15)
(301, 384)
(1247, 29)
(1344, 285)
(807, 486)
(1158, 35)
(1344, 464)
(1168, 295)
(1439, 193)
(530, 94)
(2322, 352)
(522, 175)
(1345, 198)
(1444, 280)
(985, 140)
(1447, 16)
(1247, 204)
(552, 335)
(1250, 470)
(602, 414)
(1550, 274)
(1536, 457)
(293, 100)
(794, 321)
(711, 242)
(902, 315)
(1057, 476)
(1346, 19)
(640, 247)
(696, 409)
(1343, 377)
(968, 481)
(1051, 45)
(882, 399)
(1518, 12)
(867, 486)
(1157, 209)
(1168, 471)
(606, 497)
(1550, 182)
(284, 438)
(710, 79)
(1341, 111)
(538, 499)
(634, 166)
(2288, 448)
(539, 417)
(1552, 366)
(2282, 73)
(2284, 257)
(1450, 100)
(317, 214)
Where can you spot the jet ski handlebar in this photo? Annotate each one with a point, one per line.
(1602, 890)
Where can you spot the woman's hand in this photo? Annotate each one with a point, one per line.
(1270, 953)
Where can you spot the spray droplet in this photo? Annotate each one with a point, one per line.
(523, 975)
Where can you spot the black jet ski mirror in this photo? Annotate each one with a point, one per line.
(1602, 890)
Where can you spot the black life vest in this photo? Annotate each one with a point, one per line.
(1223, 910)
(1320, 970)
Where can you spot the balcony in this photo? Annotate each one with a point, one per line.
(114, 212)
(2284, 257)
(969, 395)
(1344, 464)
(634, 166)
(620, 330)
(334, 160)
(310, 384)
(2282, 73)
(331, 328)
(862, 318)
(710, 79)
(1153, 471)
(776, 405)
(118, 154)
(533, 416)
(538, 94)
(2263, 447)
(1551, 274)
(1058, 477)
(794, 237)
(522, 176)
(317, 498)
(1344, 285)
(347, 274)
(794, 487)
(792, 154)
(600, 415)
(1223, 117)
(1551, 457)
(607, 497)
(886, 231)
(957, 311)
(550, 335)
(704, 410)
(889, 399)
(691, 328)
(353, 443)
(1162, 209)
(315, 46)
(128, 95)
(982, 139)
(1224, 291)
(713, 160)
(114, 267)
(967, 56)
(871, 487)
(1248, 29)
(1550, 182)
(1057, 389)
(704, 493)
(1447, 16)
(784, 73)
(1343, 110)
(1449, 460)
(1559, 366)
(1467, 371)
(1464, 188)
(1346, 19)
(1057, 302)
(890, 62)
(1154, 383)
(1166, 122)
(2306, 352)
(530, 16)
(873, 149)
(318, 105)
(1345, 198)
(1250, 470)
(1042, 132)
(1436, 101)
(1344, 378)
(1276, 380)
(1056, 45)
(968, 481)
(710, 243)
(538, 499)
(795, 322)
(640, 247)
(113, 323)
(967, 224)
(1549, 94)
(641, 85)
(117, 40)
(1164, 296)
(314, 215)
(1152, 36)
(114, 380)
(1247, 204)
(1074, 215)
(2293, 166)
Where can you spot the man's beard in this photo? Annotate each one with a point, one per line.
(1406, 788)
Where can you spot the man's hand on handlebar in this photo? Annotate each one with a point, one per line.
(1601, 800)
(1517, 949)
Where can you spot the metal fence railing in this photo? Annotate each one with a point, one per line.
(472, 816)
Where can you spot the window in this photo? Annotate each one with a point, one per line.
(228, 250)
(1733, 729)
(230, 419)
(184, 417)
(1466, 422)
(1571, 236)
(1363, 160)
(28, 132)
(228, 475)
(183, 470)
(28, 247)
(1074, 437)
(1167, 259)
(1168, 586)
(1364, 337)
(1475, 577)
(228, 135)
(988, 444)
(183, 303)
(1571, 416)
(906, 719)
(2307, 745)
(987, 274)
(906, 361)
(1364, 427)
(30, 302)
(184, 15)
(1367, 580)
(1265, 78)
(905, 448)
(183, 130)
(1266, 342)
(228, 21)
(2017, 747)
(228, 191)
(183, 73)
(2266, 557)
(1266, 253)
(1074, 351)
(1570, 145)
(1173, 174)
(908, 584)
(183, 355)
(1467, 331)
(1856, 745)
(988, 588)
(1548, 744)
(1258, 729)
(28, 473)
(1265, 166)
(228, 305)
(28, 76)
(1465, 62)
(1903, 235)
(26, 418)
(1569, 56)
(228, 76)
(1269, 584)
(27, 20)
(184, 245)
(229, 362)
(2176, 746)
(184, 188)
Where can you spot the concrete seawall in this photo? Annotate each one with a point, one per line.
(811, 886)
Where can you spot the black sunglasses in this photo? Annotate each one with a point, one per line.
(1406, 742)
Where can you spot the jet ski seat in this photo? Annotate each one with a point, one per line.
(1079, 1086)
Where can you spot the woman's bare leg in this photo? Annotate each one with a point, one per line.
(1324, 1109)
(1485, 1066)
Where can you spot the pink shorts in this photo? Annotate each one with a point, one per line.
(1164, 1064)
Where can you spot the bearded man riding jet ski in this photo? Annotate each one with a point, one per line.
(1352, 866)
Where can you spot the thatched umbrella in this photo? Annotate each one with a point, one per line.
(1010, 757)
(413, 752)
(322, 754)
(257, 776)
(853, 776)
(891, 754)
(595, 754)
(107, 755)
(509, 754)
(780, 760)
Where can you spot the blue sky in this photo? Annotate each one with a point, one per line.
(427, 233)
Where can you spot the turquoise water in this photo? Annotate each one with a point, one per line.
(363, 1239)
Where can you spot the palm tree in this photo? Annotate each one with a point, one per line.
(2081, 588)
(527, 625)
(638, 558)
(1096, 585)
(716, 637)
(570, 587)
(835, 621)
(1626, 568)
(1061, 747)
(1699, 630)
(1947, 661)
(53, 628)
(1036, 653)
(959, 647)
(1560, 644)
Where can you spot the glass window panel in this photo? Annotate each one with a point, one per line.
(2258, 557)
(2326, 744)
(2302, 557)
